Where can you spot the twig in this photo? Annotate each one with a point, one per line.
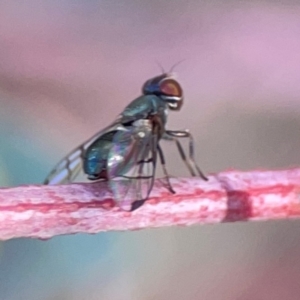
(46, 211)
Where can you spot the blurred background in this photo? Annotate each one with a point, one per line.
(67, 68)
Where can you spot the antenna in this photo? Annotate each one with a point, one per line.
(161, 67)
(176, 64)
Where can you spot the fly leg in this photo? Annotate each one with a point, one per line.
(163, 164)
(182, 153)
(190, 162)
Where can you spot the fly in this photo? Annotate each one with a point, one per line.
(125, 152)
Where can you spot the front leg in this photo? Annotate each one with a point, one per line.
(174, 135)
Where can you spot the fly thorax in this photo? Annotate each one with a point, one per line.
(142, 123)
(162, 113)
(142, 128)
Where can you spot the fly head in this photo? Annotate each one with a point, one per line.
(167, 88)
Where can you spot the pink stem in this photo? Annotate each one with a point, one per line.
(46, 211)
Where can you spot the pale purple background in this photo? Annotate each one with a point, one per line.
(67, 68)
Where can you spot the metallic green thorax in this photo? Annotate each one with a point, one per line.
(143, 107)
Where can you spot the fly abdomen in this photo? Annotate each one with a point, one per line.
(95, 158)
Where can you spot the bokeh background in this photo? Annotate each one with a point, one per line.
(67, 68)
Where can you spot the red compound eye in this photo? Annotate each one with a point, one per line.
(171, 87)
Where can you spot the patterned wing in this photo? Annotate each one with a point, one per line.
(131, 165)
(70, 166)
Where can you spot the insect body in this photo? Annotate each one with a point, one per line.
(125, 153)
